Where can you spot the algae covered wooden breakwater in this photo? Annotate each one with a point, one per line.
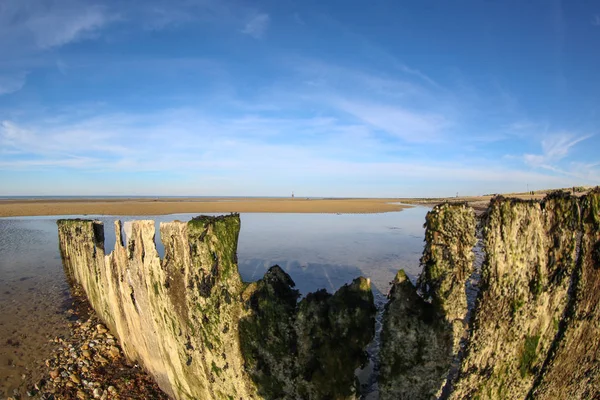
(202, 333)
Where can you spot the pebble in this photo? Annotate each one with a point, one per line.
(114, 352)
(101, 328)
(74, 378)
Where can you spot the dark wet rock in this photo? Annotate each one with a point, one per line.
(309, 349)
(416, 345)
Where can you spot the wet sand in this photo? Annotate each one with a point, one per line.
(10, 208)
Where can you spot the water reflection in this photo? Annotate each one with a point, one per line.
(317, 250)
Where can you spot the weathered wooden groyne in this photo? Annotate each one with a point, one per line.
(204, 334)
(533, 333)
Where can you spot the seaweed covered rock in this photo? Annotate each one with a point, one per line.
(422, 326)
(267, 335)
(309, 349)
(573, 367)
(531, 251)
(448, 262)
(416, 345)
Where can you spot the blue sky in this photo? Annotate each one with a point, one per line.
(323, 98)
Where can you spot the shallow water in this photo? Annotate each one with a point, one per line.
(317, 250)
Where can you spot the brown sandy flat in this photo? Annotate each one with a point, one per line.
(191, 205)
(161, 206)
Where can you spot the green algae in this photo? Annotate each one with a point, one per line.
(528, 355)
(308, 348)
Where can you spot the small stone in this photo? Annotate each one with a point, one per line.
(75, 379)
(97, 393)
(101, 328)
(114, 352)
(86, 354)
(112, 389)
(54, 374)
(101, 359)
(81, 395)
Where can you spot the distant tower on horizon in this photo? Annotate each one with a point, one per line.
(292, 195)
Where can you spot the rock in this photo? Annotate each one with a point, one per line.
(74, 378)
(81, 395)
(416, 345)
(312, 347)
(86, 354)
(54, 374)
(114, 352)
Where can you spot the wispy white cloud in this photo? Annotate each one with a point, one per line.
(12, 82)
(257, 25)
(53, 28)
(554, 148)
(28, 23)
(409, 125)
(596, 20)
(417, 73)
(29, 29)
(524, 125)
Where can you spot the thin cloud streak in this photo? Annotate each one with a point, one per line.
(257, 26)
(408, 125)
(27, 24)
(12, 82)
(554, 148)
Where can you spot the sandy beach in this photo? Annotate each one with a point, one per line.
(159, 206)
(163, 206)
